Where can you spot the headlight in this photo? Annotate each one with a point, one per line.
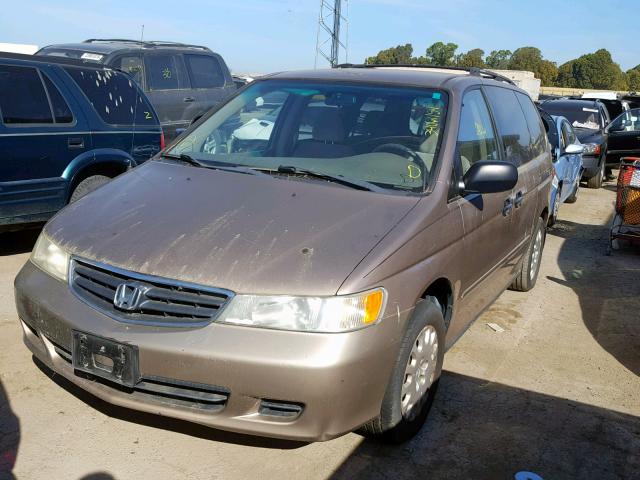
(51, 258)
(310, 314)
(591, 149)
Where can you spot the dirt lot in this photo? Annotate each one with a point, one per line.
(556, 393)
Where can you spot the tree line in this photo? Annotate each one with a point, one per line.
(591, 71)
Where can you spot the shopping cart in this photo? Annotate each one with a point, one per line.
(626, 223)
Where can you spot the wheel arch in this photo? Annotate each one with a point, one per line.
(442, 290)
(108, 162)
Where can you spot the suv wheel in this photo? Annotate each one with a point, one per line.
(414, 380)
(88, 185)
(596, 181)
(526, 278)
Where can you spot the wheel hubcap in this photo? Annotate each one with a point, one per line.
(420, 371)
(535, 255)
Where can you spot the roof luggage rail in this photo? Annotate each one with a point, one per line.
(150, 43)
(478, 72)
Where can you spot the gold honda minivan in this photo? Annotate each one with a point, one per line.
(297, 263)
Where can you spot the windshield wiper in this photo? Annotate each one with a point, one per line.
(184, 158)
(225, 167)
(349, 182)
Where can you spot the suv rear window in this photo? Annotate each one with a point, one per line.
(114, 96)
(205, 71)
(23, 99)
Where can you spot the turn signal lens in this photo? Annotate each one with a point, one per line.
(372, 307)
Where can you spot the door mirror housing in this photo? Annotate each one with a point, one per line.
(574, 149)
(490, 177)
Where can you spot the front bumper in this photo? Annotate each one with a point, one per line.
(339, 379)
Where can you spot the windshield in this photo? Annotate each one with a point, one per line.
(385, 136)
(578, 116)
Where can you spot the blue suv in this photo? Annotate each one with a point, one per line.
(66, 127)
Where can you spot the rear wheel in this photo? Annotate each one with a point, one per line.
(88, 185)
(573, 198)
(528, 275)
(596, 181)
(553, 218)
(414, 380)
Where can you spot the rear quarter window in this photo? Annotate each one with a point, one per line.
(205, 71)
(114, 96)
(511, 123)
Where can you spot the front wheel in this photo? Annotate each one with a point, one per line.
(414, 380)
(528, 275)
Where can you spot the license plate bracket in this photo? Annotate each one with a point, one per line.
(104, 358)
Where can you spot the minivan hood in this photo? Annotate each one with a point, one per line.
(246, 233)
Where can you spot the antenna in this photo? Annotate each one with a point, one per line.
(329, 43)
(142, 33)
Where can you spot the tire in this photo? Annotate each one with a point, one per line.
(553, 218)
(573, 198)
(596, 181)
(528, 274)
(88, 185)
(397, 422)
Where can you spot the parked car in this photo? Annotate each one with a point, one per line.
(566, 151)
(589, 119)
(624, 136)
(182, 81)
(66, 128)
(310, 285)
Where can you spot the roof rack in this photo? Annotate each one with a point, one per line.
(477, 72)
(144, 43)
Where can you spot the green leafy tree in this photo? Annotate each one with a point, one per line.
(547, 72)
(531, 60)
(499, 59)
(633, 79)
(473, 58)
(442, 54)
(593, 70)
(526, 58)
(393, 56)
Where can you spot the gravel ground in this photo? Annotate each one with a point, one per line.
(556, 393)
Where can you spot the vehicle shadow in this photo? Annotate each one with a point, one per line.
(9, 436)
(22, 241)
(608, 287)
(165, 423)
(485, 430)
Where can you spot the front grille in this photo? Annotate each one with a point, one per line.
(158, 301)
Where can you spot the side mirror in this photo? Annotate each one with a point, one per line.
(574, 149)
(617, 127)
(490, 177)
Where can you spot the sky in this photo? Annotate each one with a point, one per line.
(260, 36)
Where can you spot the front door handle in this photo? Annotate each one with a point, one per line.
(517, 202)
(508, 206)
(75, 143)
(188, 99)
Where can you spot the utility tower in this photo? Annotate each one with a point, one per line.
(329, 43)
